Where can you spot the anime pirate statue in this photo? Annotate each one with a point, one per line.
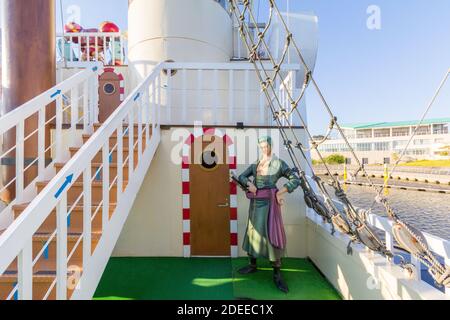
(265, 236)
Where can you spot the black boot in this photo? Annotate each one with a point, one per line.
(251, 268)
(279, 281)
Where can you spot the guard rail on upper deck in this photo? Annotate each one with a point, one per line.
(222, 94)
(107, 48)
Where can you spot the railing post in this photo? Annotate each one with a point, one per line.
(59, 128)
(96, 98)
(154, 103)
(216, 95)
(231, 96)
(86, 113)
(131, 144)
(96, 48)
(147, 107)
(122, 58)
(113, 49)
(61, 248)
(105, 185)
(140, 103)
(184, 93)
(169, 97)
(119, 162)
(199, 88)
(41, 143)
(237, 37)
(87, 215)
(25, 272)
(294, 94)
(246, 95)
(90, 82)
(88, 49)
(159, 100)
(74, 110)
(71, 49)
(262, 108)
(20, 159)
(80, 53)
(104, 48)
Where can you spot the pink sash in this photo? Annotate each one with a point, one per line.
(277, 234)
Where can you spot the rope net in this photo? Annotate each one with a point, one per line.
(342, 215)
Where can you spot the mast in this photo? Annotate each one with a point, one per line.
(29, 68)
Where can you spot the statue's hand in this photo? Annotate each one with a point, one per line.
(252, 188)
(280, 196)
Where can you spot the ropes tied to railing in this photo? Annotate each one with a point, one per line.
(350, 221)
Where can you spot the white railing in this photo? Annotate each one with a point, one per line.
(41, 114)
(437, 245)
(107, 48)
(140, 112)
(219, 94)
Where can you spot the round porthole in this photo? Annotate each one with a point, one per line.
(209, 160)
(109, 89)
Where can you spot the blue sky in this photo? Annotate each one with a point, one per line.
(367, 75)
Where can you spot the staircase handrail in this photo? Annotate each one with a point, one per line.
(16, 241)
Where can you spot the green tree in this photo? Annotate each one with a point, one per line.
(335, 159)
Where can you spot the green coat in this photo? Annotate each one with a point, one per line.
(256, 241)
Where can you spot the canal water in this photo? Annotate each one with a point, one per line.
(428, 212)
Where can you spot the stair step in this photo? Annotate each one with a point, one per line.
(76, 190)
(42, 266)
(44, 274)
(41, 284)
(113, 158)
(75, 222)
(40, 239)
(113, 139)
(95, 167)
(125, 127)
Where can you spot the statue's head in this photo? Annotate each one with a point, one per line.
(265, 144)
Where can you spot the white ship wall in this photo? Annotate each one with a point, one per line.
(362, 275)
(155, 225)
(179, 30)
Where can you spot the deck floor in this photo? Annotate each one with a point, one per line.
(208, 279)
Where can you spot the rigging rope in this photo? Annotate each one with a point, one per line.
(416, 130)
(352, 223)
(362, 231)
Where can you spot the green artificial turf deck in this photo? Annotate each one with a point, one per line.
(303, 279)
(207, 279)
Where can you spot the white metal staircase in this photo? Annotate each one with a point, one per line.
(62, 227)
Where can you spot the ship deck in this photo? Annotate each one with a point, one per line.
(208, 279)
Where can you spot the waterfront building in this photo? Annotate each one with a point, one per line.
(384, 142)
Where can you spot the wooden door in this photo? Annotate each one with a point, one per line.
(109, 95)
(210, 202)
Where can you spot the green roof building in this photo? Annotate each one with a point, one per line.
(380, 142)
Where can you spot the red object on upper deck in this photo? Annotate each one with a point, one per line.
(72, 27)
(108, 26)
